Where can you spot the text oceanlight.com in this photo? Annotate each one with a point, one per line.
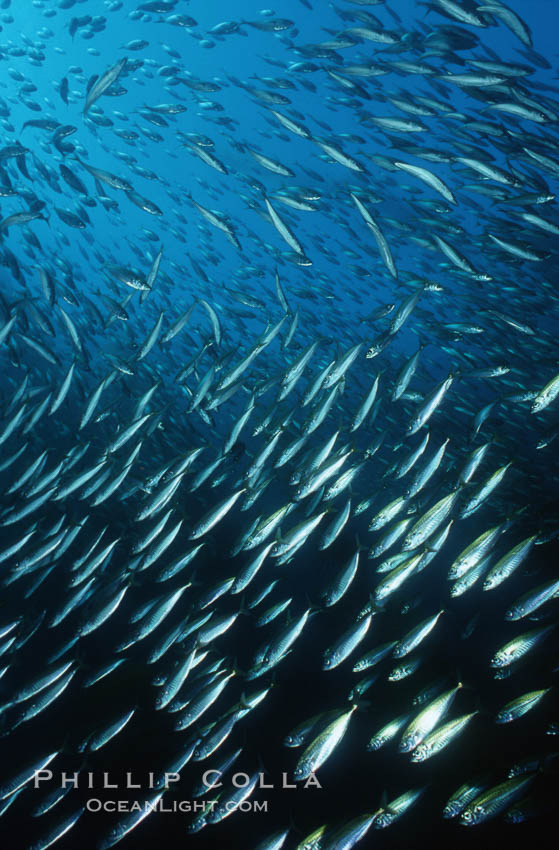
(162, 806)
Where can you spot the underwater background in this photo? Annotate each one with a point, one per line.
(278, 335)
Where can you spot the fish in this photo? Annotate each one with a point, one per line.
(491, 802)
(516, 648)
(283, 229)
(383, 247)
(103, 82)
(388, 814)
(320, 749)
(518, 707)
(440, 738)
(426, 721)
(506, 565)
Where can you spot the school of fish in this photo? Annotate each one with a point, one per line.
(279, 399)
